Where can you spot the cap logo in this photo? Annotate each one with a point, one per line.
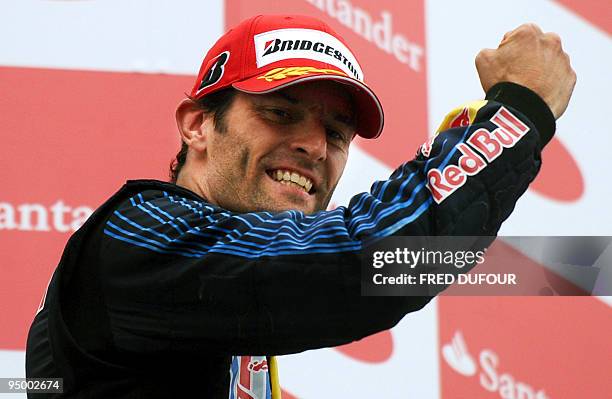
(284, 44)
(284, 73)
(216, 71)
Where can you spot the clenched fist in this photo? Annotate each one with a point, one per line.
(533, 59)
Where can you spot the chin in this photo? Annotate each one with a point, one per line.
(305, 208)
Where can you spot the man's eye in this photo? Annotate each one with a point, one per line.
(280, 113)
(336, 135)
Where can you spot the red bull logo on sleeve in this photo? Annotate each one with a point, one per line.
(463, 119)
(481, 144)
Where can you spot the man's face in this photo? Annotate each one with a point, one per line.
(284, 150)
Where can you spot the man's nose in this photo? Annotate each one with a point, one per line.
(311, 140)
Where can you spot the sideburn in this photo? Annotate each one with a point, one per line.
(244, 159)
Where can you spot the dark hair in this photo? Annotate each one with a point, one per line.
(217, 104)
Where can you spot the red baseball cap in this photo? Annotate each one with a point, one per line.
(270, 52)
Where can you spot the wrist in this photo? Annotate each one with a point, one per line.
(529, 104)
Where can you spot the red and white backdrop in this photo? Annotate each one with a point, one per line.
(87, 96)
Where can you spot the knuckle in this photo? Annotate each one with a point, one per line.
(481, 56)
(530, 29)
(553, 38)
(521, 30)
(509, 35)
(535, 28)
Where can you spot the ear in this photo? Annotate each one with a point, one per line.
(193, 124)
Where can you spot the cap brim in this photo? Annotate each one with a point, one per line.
(369, 111)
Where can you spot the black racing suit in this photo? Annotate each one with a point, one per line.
(159, 290)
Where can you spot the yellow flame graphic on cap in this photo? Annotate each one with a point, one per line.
(283, 73)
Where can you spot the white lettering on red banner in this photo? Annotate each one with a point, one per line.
(510, 129)
(378, 32)
(459, 359)
(36, 217)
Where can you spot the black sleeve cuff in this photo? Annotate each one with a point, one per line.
(529, 104)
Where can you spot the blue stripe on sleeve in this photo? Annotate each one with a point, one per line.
(253, 235)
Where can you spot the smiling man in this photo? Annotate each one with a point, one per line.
(187, 288)
(280, 151)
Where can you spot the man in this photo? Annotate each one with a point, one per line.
(183, 290)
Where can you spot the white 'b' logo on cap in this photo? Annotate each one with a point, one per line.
(215, 73)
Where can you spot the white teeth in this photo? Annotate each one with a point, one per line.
(286, 177)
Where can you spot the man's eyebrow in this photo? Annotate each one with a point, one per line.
(348, 121)
(285, 96)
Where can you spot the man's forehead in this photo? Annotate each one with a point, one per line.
(334, 95)
(320, 87)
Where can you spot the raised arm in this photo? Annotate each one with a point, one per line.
(285, 282)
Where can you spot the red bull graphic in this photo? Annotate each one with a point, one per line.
(463, 119)
(490, 145)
